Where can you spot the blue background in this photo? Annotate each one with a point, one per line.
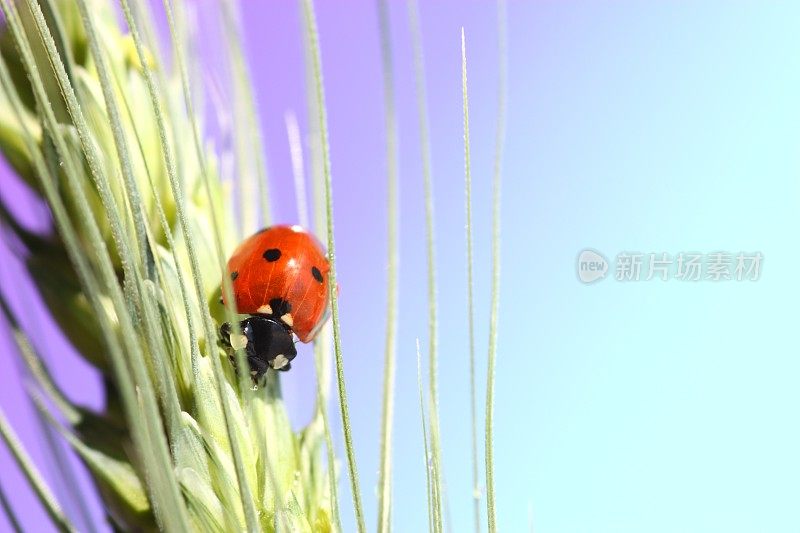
(633, 126)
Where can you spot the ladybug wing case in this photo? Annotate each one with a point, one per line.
(306, 288)
(282, 272)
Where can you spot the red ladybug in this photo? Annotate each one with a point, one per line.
(280, 279)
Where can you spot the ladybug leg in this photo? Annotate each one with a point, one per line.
(258, 367)
(232, 341)
(230, 345)
(224, 340)
(282, 362)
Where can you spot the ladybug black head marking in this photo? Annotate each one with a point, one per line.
(280, 307)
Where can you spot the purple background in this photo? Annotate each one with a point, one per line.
(657, 127)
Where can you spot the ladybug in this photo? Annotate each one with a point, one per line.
(280, 279)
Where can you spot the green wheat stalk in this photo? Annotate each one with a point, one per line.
(248, 503)
(129, 197)
(495, 294)
(425, 447)
(164, 488)
(424, 131)
(476, 493)
(393, 262)
(311, 29)
(111, 141)
(323, 351)
(33, 476)
(8, 510)
(249, 138)
(322, 345)
(296, 153)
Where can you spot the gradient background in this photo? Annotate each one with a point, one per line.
(655, 127)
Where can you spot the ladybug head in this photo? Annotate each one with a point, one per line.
(267, 344)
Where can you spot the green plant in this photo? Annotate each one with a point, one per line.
(108, 137)
(139, 245)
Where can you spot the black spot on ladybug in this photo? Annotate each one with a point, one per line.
(316, 273)
(273, 254)
(280, 306)
(234, 275)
